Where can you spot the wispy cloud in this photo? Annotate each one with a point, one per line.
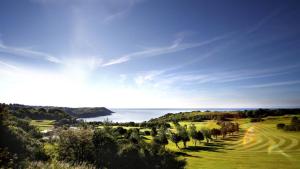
(124, 8)
(9, 66)
(274, 84)
(176, 46)
(28, 53)
(163, 78)
(147, 76)
(264, 21)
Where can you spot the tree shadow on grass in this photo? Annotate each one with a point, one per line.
(185, 154)
(202, 148)
(145, 138)
(233, 137)
(215, 146)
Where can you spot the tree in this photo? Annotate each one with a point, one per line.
(120, 130)
(199, 136)
(183, 133)
(193, 133)
(207, 134)
(76, 146)
(106, 149)
(295, 121)
(153, 131)
(161, 138)
(215, 132)
(175, 138)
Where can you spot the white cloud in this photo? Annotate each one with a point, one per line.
(147, 76)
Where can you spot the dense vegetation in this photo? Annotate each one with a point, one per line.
(197, 116)
(19, 141)
(87, 112)
(166, 142)
(56, 113)
(22, 146)
(108, 148)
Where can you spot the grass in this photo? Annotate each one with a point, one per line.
(43, 124)
(258, 145)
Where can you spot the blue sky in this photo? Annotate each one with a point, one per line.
(150, 53)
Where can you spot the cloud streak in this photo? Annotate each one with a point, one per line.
(29, 53)
(176, 46)
(274, 84)
(7, 65)
(162, 78)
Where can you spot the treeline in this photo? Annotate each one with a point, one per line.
(293, 126)
(114, 148)
(184, 134)
(200, 116)
(57, 113)
(37, 113)
(87, 112)
(129, 124)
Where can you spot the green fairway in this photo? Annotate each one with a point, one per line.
(258, 145)
(42, 124)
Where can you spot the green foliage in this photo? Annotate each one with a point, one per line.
(75, 145)
(176, 138)
(58, 165)
(207, 134)
(215, 132)
(161, 138)
(198, 116)
(153, 131)
(183, 133)
(193, 133)
(19, 141)
(106, 148)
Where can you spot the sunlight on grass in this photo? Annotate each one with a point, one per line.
(43, 124)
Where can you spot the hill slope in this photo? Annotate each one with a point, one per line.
(55, 113)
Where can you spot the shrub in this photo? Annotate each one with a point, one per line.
(147, 133)
(280, 126)
(253, 120)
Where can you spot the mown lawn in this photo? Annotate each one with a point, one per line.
(258, 145)
(42, 124)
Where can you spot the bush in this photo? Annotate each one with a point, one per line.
(58, 165)
(147, 133)
(253, 120)
(280, 126)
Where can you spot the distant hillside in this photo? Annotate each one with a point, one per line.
(87, 112)
(56, 113)
(198, 116)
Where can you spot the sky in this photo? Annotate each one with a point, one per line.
(150, 53)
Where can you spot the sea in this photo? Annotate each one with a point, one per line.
(144, 114)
